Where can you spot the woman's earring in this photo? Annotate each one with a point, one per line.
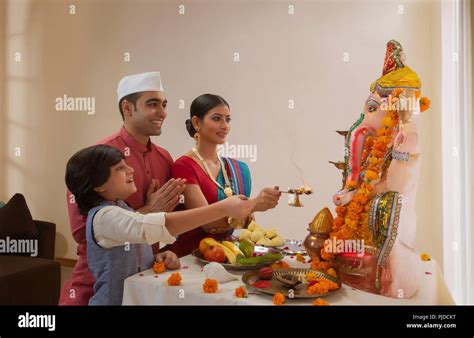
(197, 136)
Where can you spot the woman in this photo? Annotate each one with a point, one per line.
(211, 178)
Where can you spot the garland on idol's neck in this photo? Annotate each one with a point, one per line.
(352, 221)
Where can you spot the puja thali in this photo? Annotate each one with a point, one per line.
(292, 283)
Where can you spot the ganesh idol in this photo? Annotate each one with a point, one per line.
(376, 204)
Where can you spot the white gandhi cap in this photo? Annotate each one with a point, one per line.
(136, 83)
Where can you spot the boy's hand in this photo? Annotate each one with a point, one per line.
(164, 199)
(239, 207)
(170, 259)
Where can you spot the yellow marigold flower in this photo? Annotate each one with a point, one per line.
(300, 258)
(351, 185)
(425, 257)
(387, 122)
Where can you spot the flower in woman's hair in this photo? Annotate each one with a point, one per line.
(320, 302)
(424, 103)
(159, 267)
(174, 279)
(241, 292)
(210, 286)
(279, 298)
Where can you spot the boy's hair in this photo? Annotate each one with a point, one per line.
(87, 169)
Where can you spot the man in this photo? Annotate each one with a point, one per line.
(142, 105)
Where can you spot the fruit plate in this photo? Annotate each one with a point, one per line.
(299, 291)
(259, 250)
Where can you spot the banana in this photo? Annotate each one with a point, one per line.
(233, 248)
(229, 254)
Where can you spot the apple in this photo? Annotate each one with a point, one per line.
(214, 253)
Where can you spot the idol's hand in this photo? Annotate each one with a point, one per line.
(164, 199)
(343, 197)
(267, 199)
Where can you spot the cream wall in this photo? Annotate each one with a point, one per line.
(282, 57)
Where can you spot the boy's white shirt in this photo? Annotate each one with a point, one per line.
(114, 226)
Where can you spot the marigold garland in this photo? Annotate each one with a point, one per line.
(351, 222)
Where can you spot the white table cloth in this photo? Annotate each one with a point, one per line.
(148, 288)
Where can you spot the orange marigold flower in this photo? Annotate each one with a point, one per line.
(174, 279)
(331, 272)
(241, 292)
(210, 285)
(279, 298)
(280, 265)
(159, 267)
(300, 258)
(319, 265)
(371, 175)
(425, 257)
(321, 286)
(320, 302)
(424, 103)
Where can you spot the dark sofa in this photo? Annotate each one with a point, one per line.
(27, 280)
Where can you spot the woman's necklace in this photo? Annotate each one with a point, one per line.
(227, 189)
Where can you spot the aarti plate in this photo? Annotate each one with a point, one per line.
(297, 291)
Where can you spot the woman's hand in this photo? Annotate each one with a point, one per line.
(170, 259)
(267, 199)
